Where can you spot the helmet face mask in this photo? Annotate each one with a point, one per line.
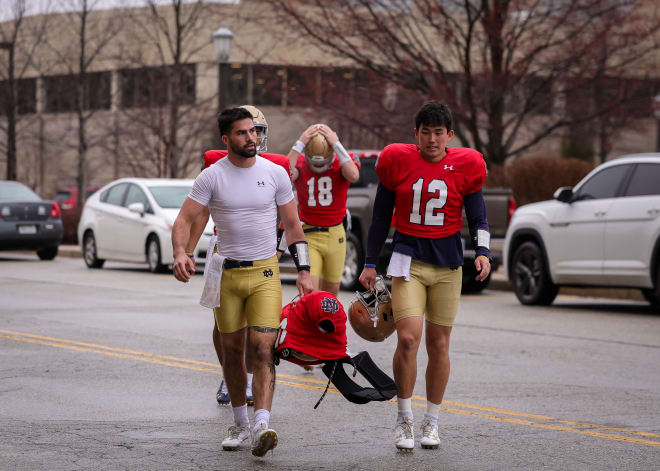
(260, 125)
(370, 314)
(318, 163)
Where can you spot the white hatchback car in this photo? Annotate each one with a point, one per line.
(604, 232)
(130, 220)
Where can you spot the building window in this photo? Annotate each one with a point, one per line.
(150, 86)
(268, 82)
(233, 84)
(301, 86)
(62, 93)
(26, 96)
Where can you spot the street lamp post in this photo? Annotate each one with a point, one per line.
(656, 113)
(222, 41)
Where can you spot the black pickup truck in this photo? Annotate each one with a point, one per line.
(361, 194)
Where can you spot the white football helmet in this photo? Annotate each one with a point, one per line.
(260, 125)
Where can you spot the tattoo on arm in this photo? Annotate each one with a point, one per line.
(264, 330)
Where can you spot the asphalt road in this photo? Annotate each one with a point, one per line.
(114, 369)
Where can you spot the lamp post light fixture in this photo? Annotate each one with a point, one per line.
(222, 41)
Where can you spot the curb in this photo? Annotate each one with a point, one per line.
(498, 282)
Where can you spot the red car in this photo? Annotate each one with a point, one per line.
(67, 199)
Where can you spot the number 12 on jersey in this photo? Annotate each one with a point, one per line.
(435, 187)
(325, 191)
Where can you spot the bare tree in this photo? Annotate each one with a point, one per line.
(506, 67)
(19, 41)
(165, 123)
(77, 43)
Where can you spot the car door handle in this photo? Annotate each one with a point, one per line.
(653, 211)
(600, 213)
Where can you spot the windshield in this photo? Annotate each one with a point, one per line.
(170, 197)
(17, 192)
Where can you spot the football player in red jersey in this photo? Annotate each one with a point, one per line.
(429, 184)
(210, 157)
(322, 183)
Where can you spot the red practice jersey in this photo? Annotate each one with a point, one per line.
(315, 325)
(212, 156)
(429, 196)
(321, 196)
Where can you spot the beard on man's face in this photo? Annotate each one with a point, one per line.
(247, 151)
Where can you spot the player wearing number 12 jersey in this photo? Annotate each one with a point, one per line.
(427, 186)
(322, 183)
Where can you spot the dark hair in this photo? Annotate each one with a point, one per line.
(434, 113)
(229, 116)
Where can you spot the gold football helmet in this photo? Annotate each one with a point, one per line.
(261, 126)
(370, 313)
(319, 154)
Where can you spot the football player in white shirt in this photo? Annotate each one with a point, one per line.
(244, 193)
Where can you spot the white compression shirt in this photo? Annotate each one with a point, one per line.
(243, 204)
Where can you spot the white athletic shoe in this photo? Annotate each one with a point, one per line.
(236, 435)
(430, 438)
(265, 439)
(403, 434)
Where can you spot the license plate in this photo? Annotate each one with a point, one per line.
(27, 229)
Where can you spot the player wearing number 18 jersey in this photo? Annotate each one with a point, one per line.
(427, 186)
(322, 183)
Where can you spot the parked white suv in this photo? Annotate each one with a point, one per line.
(604, 232)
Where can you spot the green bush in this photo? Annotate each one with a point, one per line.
(536, 178)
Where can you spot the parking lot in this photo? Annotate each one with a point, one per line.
(114, 369)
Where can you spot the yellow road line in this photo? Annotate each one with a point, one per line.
(168, 360)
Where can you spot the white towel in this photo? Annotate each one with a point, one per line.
(209, 252)
(211, 292)
(399, 265)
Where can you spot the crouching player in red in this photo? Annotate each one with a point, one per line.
(322, 182)
(427, 185)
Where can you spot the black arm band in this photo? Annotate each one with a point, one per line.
(280, 236)
(300, 253)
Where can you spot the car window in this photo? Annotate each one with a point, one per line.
(11, 191)
(368, 175)
(645, 180)
(603, 184)
(170, 196)
(89, 193)
(114, 194)
(62, 196)
(136, 195)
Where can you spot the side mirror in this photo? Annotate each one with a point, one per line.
(564, 194)
(136, 208)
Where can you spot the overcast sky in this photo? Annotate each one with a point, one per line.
(7, 7)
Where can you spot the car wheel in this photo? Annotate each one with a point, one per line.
(89, 251)
(653, 295)
(531, 280)
(470, 285)
(48, 253)
(153, 256)
(350, 279)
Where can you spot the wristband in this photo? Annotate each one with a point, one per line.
(369, 265)
(299, 147)
(190, 254)
(341, 153)
(484, 256)
(300, 253)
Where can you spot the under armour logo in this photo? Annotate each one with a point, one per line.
(268, 272)
(261, 183)
(329, 305)
(449, 167)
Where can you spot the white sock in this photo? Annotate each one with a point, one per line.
(249, 384)
(405, 409)
(241, 416)
(432, 410)
(261, 416)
